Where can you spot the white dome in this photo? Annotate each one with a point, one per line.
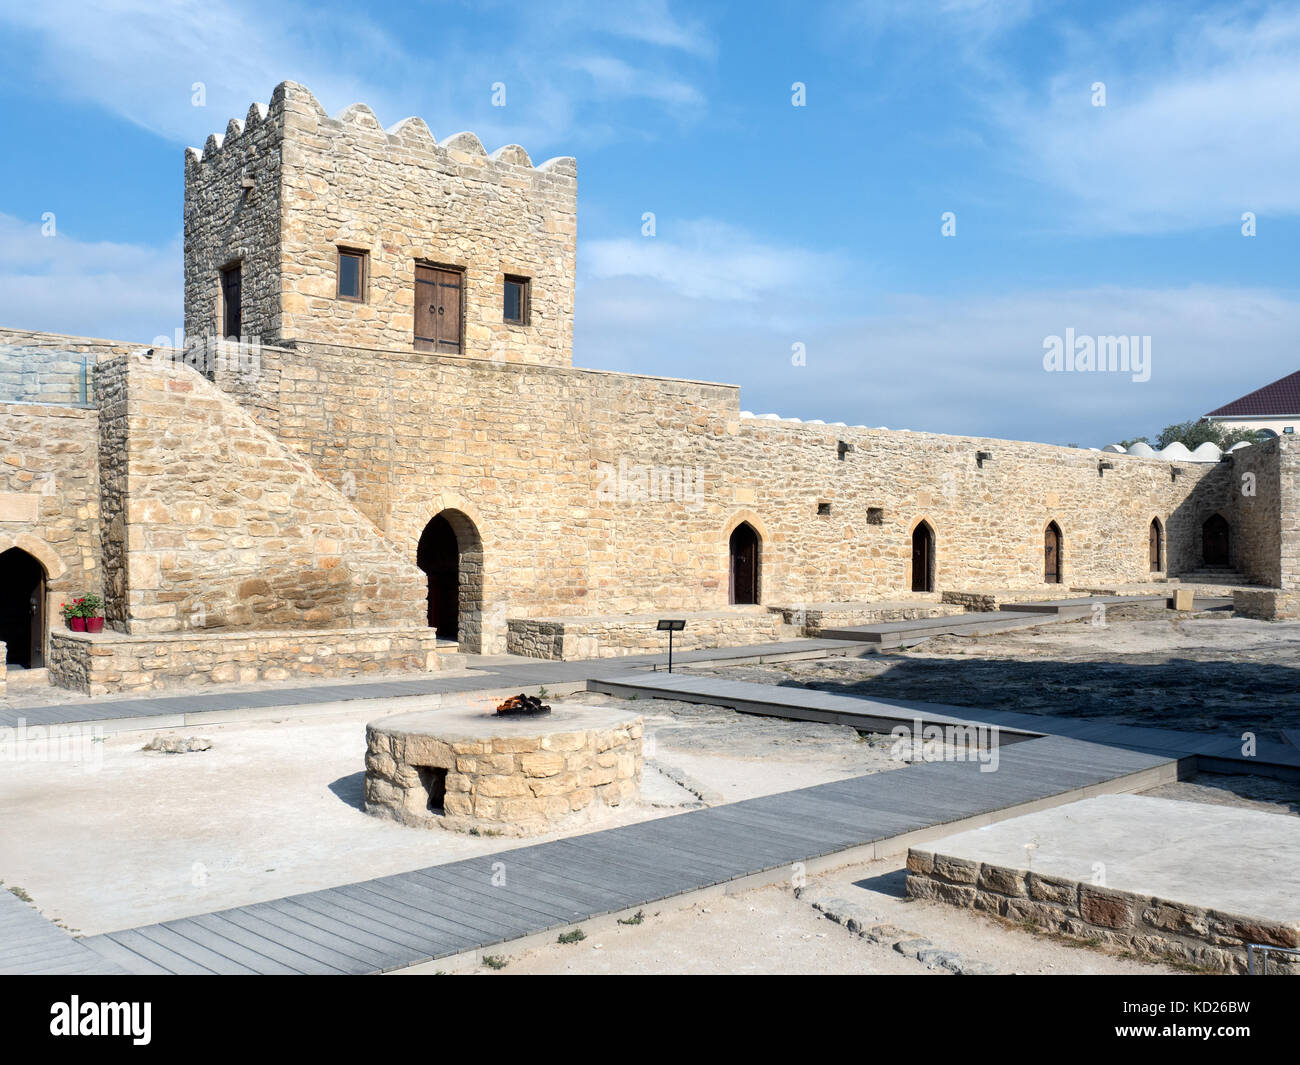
(1114, 449)
(1176, 450)
(1142, 449)
(1207, 452)
(1238, 445)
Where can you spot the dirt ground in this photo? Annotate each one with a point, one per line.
(1207, 672)
(110, 836)
(770, 930)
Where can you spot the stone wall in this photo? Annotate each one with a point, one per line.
(224, 528)
(227, 223)
(612, 636)
(111, 662)
(1156, 928)
(598, 493)
(321, 184)
(49, 495)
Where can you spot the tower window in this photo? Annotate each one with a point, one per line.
(352, 275)
(823, 510)
(231, 318)
(516, 300)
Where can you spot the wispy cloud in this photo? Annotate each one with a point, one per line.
(60, 284)
(141, 58)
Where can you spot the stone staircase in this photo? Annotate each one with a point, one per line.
(1223, 576)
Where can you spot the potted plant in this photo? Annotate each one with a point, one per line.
(72, 615)
(83, 614)
(92, 611)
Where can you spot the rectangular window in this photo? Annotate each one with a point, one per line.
(231, 319)
(352, 275)
(875, 516)
(516, 300)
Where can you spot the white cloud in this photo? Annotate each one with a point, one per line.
(712, 260)
(140, 58)
(1189, 142)
(60, 284)
(969, 366)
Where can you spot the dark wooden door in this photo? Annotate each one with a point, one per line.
(438, 323)
(36, 604)
(922, 559)
(1155, 548)
(744, 564)
(1052, 555)
(1214, 541)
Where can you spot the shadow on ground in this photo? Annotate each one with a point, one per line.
(351, 790)
(1215, 696)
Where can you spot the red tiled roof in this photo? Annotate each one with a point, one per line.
(1281, 398)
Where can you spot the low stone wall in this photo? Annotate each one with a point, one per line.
(814, 619)
(112, 662)
(1151, 927)
(1268, 604)
(985, 601)
(629, 634)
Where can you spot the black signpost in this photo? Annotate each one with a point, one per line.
(671, 625)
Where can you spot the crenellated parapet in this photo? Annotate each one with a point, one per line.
(284, 193)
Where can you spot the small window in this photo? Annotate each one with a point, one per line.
(875, 516)
(516, 300)
(823, 510)
(352, 275)
(231, 318)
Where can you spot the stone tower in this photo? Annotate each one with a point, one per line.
(302, 228)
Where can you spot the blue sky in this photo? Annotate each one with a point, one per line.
(776, 225)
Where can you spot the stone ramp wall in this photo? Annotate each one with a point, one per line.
(1160, 929)
(222, 527)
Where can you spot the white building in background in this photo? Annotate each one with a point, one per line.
(1273, 409)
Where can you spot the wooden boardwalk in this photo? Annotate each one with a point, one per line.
(32, 946)
(398, 921)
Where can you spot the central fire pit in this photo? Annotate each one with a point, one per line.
(502, 773)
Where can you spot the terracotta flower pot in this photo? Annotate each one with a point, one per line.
(94, 624)
(77, 624)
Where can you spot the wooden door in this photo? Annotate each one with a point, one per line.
(744, 564)
(1155, 548)
(36, 604)
(438, 324)
(922, 559)
(1214, 541)
(1052, 555)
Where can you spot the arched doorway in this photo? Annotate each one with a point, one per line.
(746, 559)
(22, 609)
(1157, 546)
(451, 554)
(1052, 553)
(923, 558)
(1214, 541)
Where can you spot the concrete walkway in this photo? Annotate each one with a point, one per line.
(32, 946)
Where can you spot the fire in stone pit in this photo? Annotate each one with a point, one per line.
(523, 706)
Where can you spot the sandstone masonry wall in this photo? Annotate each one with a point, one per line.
(223, 528)
(322, 183)
(1161, 929)
(598, 493)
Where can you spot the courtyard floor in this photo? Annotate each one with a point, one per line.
(126, 837)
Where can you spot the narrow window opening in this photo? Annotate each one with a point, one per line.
(231, 301)
(823, 510)
(875, 516)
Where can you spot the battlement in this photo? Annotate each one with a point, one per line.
(300, 226)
